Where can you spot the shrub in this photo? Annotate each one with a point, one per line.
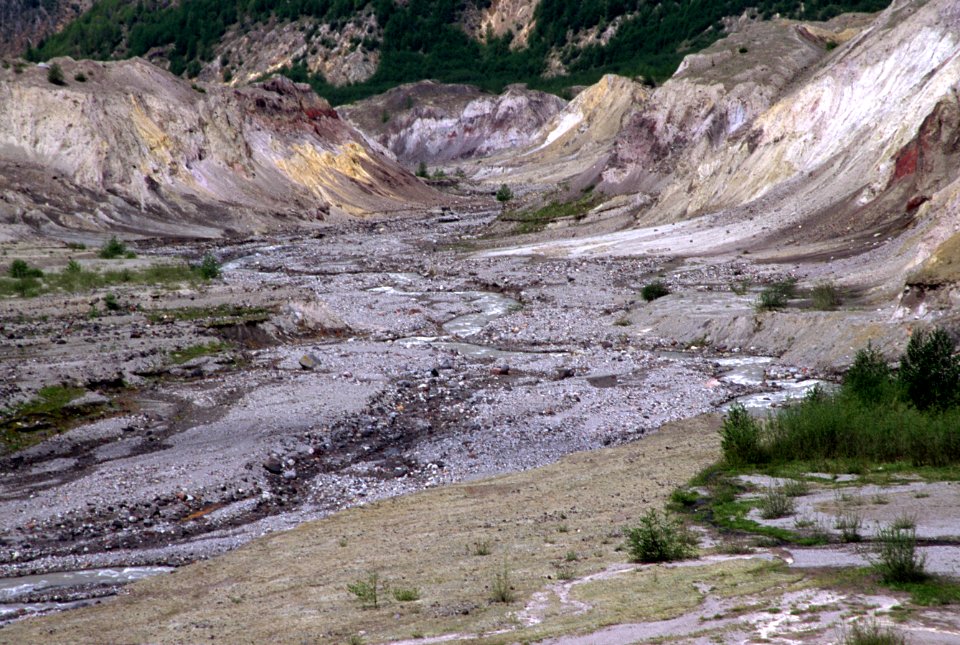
(406, 595)
(501, 590)
(848, 523)
(504, 194)
(659, 538)
(55, 74)
(422, 170)
(896, 558)
(21, 270)
(367, 591)
(775, 503)
(869, 378)
(868, 632)
(110, 302)
(80, 77)
(654, 290)
(795, 488)
(776, 295)
(825, 296)
(113, 248)
(209, 268)
(740, 437)
(929, 373)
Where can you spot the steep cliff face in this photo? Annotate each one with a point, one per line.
(435, 123)
(168, 155)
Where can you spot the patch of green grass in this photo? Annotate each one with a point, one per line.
(76, 279)
(401, 594)
(218, 315)
(50, 400)
(932, 592)
(181, 356)
(532, 221)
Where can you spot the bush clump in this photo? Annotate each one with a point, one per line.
(659, 538)
(504, 194)
(896, 558)
(55, 74)
(776, 295)
(872, 418)
(209, 267)
(114, 248)
(20, 270)
(654, 290)
(826, 296)
(929, 373)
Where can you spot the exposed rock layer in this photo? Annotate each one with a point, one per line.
(157, 154)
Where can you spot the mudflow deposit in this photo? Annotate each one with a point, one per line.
(400, 375)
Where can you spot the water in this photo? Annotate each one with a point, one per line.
(11, 588)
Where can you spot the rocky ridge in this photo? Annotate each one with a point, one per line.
(165, 158)
(433, 123)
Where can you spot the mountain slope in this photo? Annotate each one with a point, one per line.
(468, 41)
(171, 160)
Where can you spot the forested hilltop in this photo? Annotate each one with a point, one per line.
(426, 38)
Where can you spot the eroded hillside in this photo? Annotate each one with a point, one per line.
(132, 148)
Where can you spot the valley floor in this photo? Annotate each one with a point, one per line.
(327, 372)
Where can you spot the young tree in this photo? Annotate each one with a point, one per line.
(504, 194)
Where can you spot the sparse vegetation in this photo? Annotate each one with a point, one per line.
(409, 594)
(482, 547)
(848, 523)
(866, 631)
(654, 290)
(896, 558)
(501, 590)
(531, 221)
(367, 591)
(774, 504)
(776, 295)
(826, 296)
(209, 267)
(196, 351)
(55, 74)
(659, 538)
(112, 249)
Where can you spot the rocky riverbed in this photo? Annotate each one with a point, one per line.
(335, 369)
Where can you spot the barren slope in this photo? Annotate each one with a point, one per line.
(431, 122)
(134, 148)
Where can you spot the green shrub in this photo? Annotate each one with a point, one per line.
(896, 558)
(504, 194)
(422, 170)
(795, 488)
(367, 591)
(740, 437)
(20, 269)
(825, 296)
(929, 373)
(659, 538)
(848, 523)
(867, 631)
(501, 590)
(775, 503)
(55, 74)
(110, 302)
(80, 77)
(209, 268)
(654, 290)
(869, 379)
(113, 248)
(776, 295)
(406, 595)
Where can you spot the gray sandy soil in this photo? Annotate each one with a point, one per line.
(426, 366)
